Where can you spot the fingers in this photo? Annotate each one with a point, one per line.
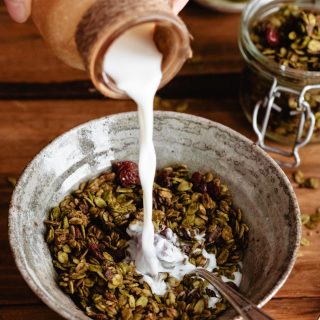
(178, 5)
(19, 10)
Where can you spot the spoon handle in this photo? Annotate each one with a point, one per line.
(242, 305)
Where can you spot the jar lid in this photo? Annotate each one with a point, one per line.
(224, 5)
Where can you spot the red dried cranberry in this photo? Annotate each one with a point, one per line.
(198, 184)
(196, 178)
(95, 251)
(77, 233)
(164, 179)
(214, 189)
(127, 173)
(272, 36)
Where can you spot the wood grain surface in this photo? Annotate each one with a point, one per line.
(40, 98)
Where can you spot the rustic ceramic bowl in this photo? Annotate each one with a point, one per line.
(259, 187)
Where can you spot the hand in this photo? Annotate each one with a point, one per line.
(178, 5)
(19, 10)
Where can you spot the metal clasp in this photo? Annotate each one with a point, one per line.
(304, 110)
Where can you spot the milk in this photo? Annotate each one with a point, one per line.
(169, 257)
(134, 63)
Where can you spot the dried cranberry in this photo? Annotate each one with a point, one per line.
(77, 233)
(95, 251)
(198, 184)
(272, 36)
(127, 173)
(196, 178)
(214, 189)
(164, 180)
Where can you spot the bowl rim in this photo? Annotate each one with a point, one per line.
(49, 301)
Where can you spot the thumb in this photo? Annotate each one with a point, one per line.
(19, 10)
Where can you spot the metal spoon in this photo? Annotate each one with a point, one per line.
(242, 305)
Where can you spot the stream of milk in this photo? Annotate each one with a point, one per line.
(133, 62)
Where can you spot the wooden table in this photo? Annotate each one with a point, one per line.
(40, 98)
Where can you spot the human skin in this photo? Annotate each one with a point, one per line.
(178, 5)
(20, 10)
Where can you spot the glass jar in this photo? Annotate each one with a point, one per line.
(282, 103)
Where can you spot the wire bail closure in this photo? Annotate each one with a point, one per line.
(306, 115)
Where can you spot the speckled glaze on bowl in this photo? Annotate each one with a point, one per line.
(258, 185)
